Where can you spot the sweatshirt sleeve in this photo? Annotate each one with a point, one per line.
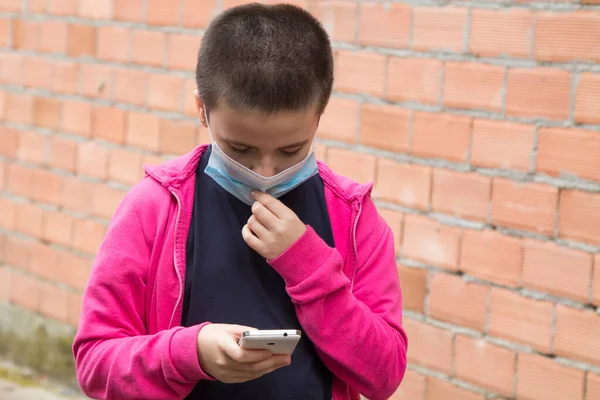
(357, 327)
(115, 357)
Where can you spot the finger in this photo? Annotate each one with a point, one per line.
(257, 367)
(257, 227)
(251, 240)
(275, 206)
(264, 215)
(238, 330)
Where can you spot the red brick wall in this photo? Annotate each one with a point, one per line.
(478, 121)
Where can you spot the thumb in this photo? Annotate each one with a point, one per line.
(238, 330)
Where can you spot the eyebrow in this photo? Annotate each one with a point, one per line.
(241, 144)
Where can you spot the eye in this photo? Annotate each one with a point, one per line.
(241, 150)
(290, 153)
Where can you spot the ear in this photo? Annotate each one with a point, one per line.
(200, 108)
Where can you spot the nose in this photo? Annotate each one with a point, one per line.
(265, 167)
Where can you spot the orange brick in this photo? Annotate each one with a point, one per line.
(19, 180)
(151, 160)
(129, 10)
(57, 227)
(484, 364)
(65, 77)
(465, 195)
(164, 92)
(47, 187)
(395, 220)
(442, 390)
(414, 287)
(385, 127)
(502, 144)
(521, 320)
(357, 166)
(159, 12)
(130, 86)
(77, 195)
(36, 6)
(43, 261)
(596, 281)
(538, 92)
(468, 305)
(430, 242)
(53, 37)
(405, 184)
(579, 216)
(198, 17)
(63, 154)
(439, 28)
(453, 145)
(320, 151)
(5, 31)
(189, 106)
(114, 43)
(8, 214)
(570, 151)
(182, 51)
(557, 270)
(9, 142)
(87, 235)
(501, 32)
(492, 256)
(587, 101)
(77, 118)
(53, 302)
(11, 6)
(469, 85)
(567, 36)
(529, 206)
(340, 120)
(96, 9)
(142, 130)
(4, 174)
(81, 40)
(25, 291)
(73, 270)
(542, 378)
(360, 73)
(37, 73)
(593, 386)
(414, 79)
(16, 252)
(12, 68)
(149, 47)
(577, 334)
(105, 200)
(46, 112)
(19, 108)
(32, 147)
(384, 25)
(125, 166)
(109, 124)
(430, 347)
(96, 80)
(63, 7)
(412, 387)
(26, 34)
(337, 17)
(92, 160)
(74, 307)
(176, 137)
(28, 219)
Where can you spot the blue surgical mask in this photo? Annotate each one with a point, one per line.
(241, 181)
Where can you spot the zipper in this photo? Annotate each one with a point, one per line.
(175, 257)
(354, 244)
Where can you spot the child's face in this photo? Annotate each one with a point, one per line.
(264, 143)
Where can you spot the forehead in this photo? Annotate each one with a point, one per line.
(257, 128)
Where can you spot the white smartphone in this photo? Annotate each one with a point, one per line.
(276, 341)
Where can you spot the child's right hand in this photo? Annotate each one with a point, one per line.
(221, 357)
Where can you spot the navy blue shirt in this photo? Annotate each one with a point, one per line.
(228, 282)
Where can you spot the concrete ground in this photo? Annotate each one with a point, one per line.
(13, 391)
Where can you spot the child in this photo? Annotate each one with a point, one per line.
(250, 232)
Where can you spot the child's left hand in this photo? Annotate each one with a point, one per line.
(272, 228)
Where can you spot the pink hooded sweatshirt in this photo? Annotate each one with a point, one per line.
(130, 344)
